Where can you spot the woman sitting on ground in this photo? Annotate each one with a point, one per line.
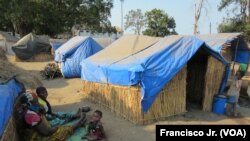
(58, 118)
(36, 126)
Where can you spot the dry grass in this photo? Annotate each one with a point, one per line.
(8, 70)
(125, 101)
(213, 78)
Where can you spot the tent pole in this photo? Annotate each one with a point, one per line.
(235, 52)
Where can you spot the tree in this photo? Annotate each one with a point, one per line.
(159, 24)
(122, 1)
(232, 25)
(55, 16)
(197, 16)
(242, 5)
(240, 21)
(135, 20)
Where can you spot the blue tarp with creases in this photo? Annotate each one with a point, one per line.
(153, 67)
(8, 92)
(71, 53)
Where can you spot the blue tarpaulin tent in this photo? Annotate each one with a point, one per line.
(71, 53)
(152, 67)
(8, 92)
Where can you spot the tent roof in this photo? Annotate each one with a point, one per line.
(70, 61)
(7, 36)
(123, 48)
(70, 45)
(217, 41)
(32, 37)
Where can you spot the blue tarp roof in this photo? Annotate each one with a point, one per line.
(71, 53)
(217, 41)
(8, 93)
(152, 67)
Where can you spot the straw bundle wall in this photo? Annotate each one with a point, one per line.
(41, 57)
(213, 78)
(10, 133)
(125, 101)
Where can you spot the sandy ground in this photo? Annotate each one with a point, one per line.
(66, 95)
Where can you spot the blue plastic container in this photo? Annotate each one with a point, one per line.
(219, 104)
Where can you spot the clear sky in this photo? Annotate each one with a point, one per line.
(181, 10)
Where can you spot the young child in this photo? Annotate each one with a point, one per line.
(95, 130)
(234, 93)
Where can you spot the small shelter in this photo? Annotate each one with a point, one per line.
(147, 81)
(71, 53)
(33, 48)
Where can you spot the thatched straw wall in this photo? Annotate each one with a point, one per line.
(125, 101)
(10, 133)
(41, 57)
(213, 78)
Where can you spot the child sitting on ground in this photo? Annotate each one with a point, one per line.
(95, 130)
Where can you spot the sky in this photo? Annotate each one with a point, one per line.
(181, 10)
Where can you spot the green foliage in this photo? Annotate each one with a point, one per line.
(159, 24)
(55, 16)
(135, 20)
(239, 22)
(238, 5)
(231, 25)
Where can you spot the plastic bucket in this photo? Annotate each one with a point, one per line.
(219, 104)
